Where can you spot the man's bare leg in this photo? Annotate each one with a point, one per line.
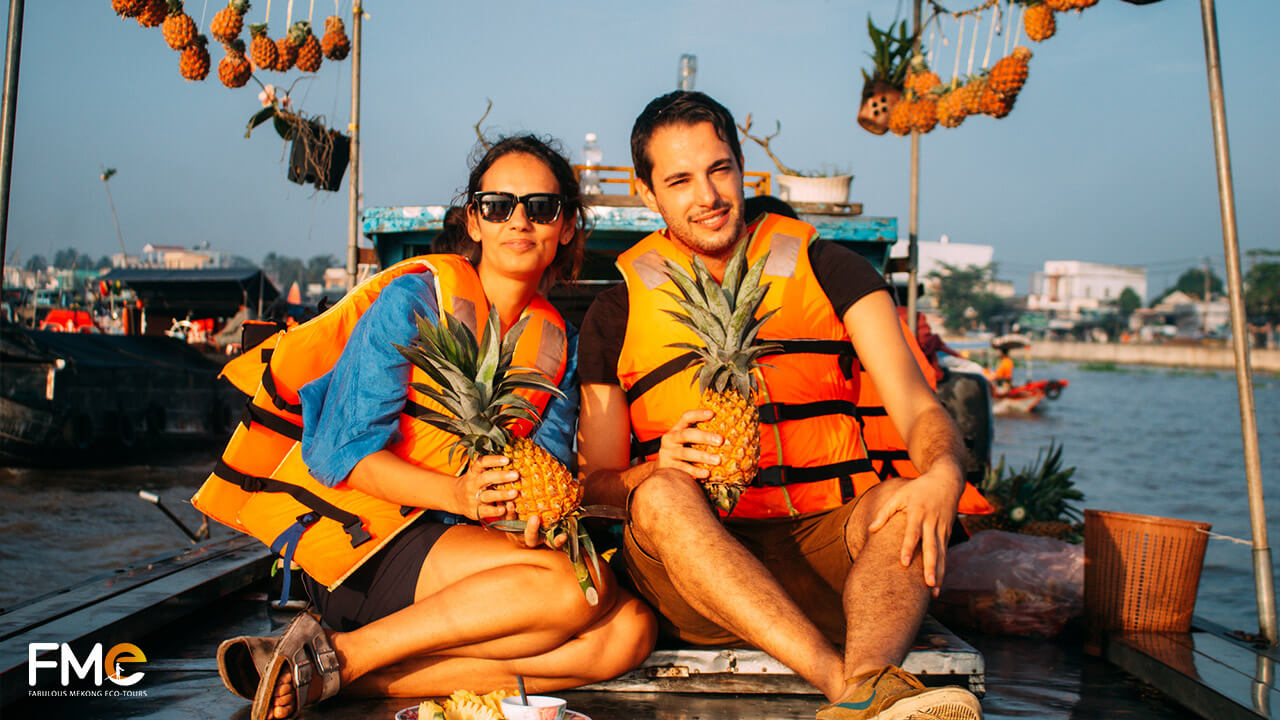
(879, 586)
(672, 521)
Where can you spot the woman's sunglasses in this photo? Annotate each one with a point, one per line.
(497, 207)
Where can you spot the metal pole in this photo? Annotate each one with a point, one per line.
(913, 213)
(353, 181)
(13, 50)
(1262, 573)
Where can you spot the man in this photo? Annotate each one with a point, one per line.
(779, 575)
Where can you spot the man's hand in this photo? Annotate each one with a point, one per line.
(675, 451)
(929, 504)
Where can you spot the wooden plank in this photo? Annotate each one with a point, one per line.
(1191, 677)
(132, 614)
(937, 655)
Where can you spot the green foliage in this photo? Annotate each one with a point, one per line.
(1262, 292)
(36, 263)
(962, 288)
(70, 258)
(1191, 282)
(891, 53)
(1040, 491)
(1098, 366)
(1128, 302)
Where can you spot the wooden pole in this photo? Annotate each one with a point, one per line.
(353, 177)
(1262, 574)
(913, 213)
(13, 51)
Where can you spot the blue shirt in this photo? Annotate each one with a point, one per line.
(353, 410)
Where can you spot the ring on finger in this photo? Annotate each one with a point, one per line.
(478, 500)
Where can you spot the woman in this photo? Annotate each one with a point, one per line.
(447, 604)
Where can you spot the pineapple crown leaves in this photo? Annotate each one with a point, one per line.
(239, 6)
(475, 382)
(1043, 488)
(891, 53)
(257, 29)
(175, 7)
(723, 316)
(299, 31)
(235, 47)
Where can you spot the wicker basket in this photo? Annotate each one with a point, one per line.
(1140, 572)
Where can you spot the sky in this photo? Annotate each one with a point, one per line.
(1107, 156)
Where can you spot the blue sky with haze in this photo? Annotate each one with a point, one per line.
(1107, 157)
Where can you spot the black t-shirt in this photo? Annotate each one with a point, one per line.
(845, 276)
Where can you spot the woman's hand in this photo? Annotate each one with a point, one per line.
(675, 451)
(532, 536)
(474, 495)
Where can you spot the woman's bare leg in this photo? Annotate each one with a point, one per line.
(477, 591)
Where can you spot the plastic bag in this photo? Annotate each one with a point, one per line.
(1010, 584)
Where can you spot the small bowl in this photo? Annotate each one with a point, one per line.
(540, 707)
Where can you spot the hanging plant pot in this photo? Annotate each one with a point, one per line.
(318, 156)
(878, 98)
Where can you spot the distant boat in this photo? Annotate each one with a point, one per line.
(1025, 398)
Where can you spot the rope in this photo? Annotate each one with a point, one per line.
(1220, 536)
(986, 59)
(973, 46)
(267, 19)
(1012, 22)
(955, 73)
(1017, 27)
(311, 12)
(288, 15)
(933, 46)
(204, 10)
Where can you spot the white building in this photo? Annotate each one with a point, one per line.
(1067, 287)
(932, 255)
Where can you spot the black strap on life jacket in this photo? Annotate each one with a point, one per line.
(873, 411)
(350, 522)
(840, 348)
(772, 413)
(779, 475)
(254, 414)
(269, 384)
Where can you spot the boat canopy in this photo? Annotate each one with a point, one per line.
(198, 293)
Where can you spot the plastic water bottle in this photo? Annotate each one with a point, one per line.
(591, 157)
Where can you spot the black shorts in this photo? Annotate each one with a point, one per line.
(384, 584)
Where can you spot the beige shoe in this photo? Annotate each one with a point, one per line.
(895, 694)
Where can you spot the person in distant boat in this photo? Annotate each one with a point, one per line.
(432, 602)
(1002, 376)
(799, 565)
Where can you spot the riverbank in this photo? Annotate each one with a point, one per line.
(1205, 357)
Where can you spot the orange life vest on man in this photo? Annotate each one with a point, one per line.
(262, 487)
(807, 393)
(885, 447)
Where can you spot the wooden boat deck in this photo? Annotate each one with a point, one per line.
(1207, 670)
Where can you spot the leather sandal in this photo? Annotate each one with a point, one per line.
(305, 650)
(241, 661)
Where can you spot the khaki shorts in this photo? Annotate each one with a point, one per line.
(807, 555)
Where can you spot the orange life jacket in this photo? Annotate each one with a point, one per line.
(885, 447)
(807, 393)
(262, 487)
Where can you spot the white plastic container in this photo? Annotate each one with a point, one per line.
(591, 157)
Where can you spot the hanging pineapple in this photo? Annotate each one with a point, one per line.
(194, 62)
(128, 8)
(178, 28)
(920, 79)
(154, 13)
(900, 117)
(476, 391)
(262, 50)
(229, 21)
(309, 53)
(971, 95)
(950, 109)
(286, 51)
(923, 114)
(1082, 4)
(336, 44)
(993, 103)
(234, 70)
(1059, 5)
(1038, 22)
(882, 87)
(1009, 73)
(723, 316)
